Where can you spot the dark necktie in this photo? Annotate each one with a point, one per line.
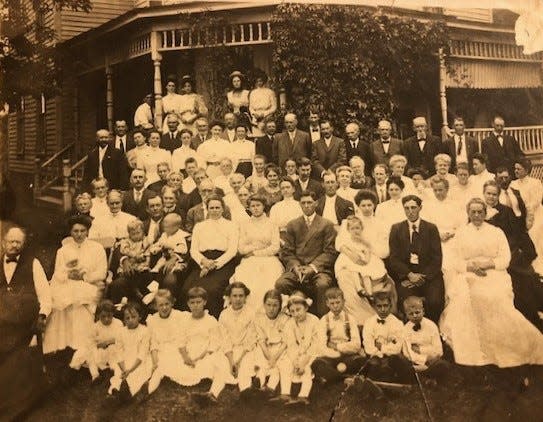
(414, 248)
(416, 326)
(354, 144)
(380, 321)
(315, 130)
(121, 145)
(385, 141)
(10, 260)
(460, 144)
(171, 136)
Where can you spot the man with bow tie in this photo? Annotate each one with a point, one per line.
(308, 255)
(386, 146)
(460, 147)
(501, 149)
(123, 141)
(354, 146)
(314, 126)
(421, 148)
(25, 303)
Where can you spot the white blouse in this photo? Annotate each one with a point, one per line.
(285, 211)
(260, 236)
(179, 156)
(91, 258)
(210, 234)
(149, 159)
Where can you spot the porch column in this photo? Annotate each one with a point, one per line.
(156, 57)
(109, 97)
(443, 94)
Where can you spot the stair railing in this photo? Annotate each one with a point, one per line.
(50, 171)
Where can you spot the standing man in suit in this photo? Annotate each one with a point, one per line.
(328, 152)
(416, 258)
(421, 149)
(305, 182)
(501, 149)
(202, 133)
(308, 255)
(171, 140)
(293, 143)
(386, 146)
(314, 126)
(380, 174)
(123, 141)
(106, 161)
(264, 144)
(229, 132)
(459, 146)
(355, 146)
(330, 206)
(135, 199)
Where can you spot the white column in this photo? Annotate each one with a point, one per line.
(156, 57)
(443, 94)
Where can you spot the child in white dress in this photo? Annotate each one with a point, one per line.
(102, 350)
(172, 245)
(270, 354)
(200, 347)
(165, 330)
(238, 334)
(133, 368)
(304, 344)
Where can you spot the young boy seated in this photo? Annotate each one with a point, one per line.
(422, 343)
(383, 341)
(342, 354)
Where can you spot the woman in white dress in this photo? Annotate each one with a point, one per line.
(531, 191)
(238, 98)
(442, 164)
(171, 102)
(288, 208)
(262, 104)
(180, 155)
(191, 105)
(76, 286)
(258, 244)
(397, 165)
(153, 156)
(391, 211)
(243, 152)
(480, 322)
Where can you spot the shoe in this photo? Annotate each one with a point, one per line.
(295, 401)
(283, 398)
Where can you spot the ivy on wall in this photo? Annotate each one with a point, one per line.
(353, 63)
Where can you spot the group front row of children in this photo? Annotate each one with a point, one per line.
(257, 352)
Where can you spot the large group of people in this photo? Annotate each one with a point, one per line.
(225, 247)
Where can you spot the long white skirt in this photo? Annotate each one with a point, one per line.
(483, 327)
(536, 234)
(259, 274)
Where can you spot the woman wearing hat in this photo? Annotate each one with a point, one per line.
(191, 105)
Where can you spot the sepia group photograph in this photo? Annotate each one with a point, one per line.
(252, 210)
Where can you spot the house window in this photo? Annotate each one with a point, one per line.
(21, 127)
(40, 126)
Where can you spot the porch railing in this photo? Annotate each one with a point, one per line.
(49, 172)
(530, 138)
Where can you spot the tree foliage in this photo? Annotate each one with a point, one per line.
(353, 63)
(28, 61)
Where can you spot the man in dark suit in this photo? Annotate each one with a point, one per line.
(380, 174)
(328, 152)
(386, 146)
(331, 206)
(123, 141)
(416, 258)
(459, 146)
(421, 149)
(501, 149)
(152, 225)
(293, 143)
(163, 170)
(202, 134)
(308, 255)
(135, 199)
(171, 140)
(264, 144)
(355, 146)
(106, 161)
(304, 181)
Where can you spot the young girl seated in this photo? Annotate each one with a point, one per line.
(359, 270)
(236, 324)
(200, 347)
(341, 355)
(102, 350)
(133, 368)
(164, 328)
(383, 341)
(304, 344)
(270, 354)
(422, 342)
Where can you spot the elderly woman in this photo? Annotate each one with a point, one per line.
(258, 245)
(344, 175)
(271, 192)
(180, 155)
(171, 102)
(391, 211)
(154, 155)
(109, 227)
(443, 165)
(288, 208)
(191, 105)
(213, 250)
(244, 151)
(262, 103)
(480, 322)
(83, 205)
(100, 187)
(359, 179)
(398, 164)
(76, 286)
